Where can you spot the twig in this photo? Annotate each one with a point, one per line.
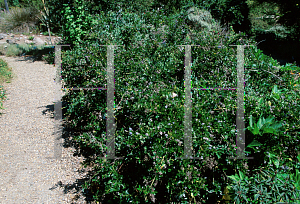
(266, 71)
(259, 42)
(155, 176)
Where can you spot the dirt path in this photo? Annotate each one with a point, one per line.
(29, 171)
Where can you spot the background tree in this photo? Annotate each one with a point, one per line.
(6, 5)
(290, 14)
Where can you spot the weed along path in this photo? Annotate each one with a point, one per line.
(29, 171)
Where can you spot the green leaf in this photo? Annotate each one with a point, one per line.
(260, 123)
(251, 121)
(276, 125)
(298, 157)
(242, 176)
(269, 130)
(269, 120)
(234, 177)
(254, 143)
(255, 130)
(275, 89)
(260, 101)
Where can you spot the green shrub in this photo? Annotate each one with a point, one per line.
(149, 121)
(268, 185)
(5, 76)
(77, 22)
(12, 51)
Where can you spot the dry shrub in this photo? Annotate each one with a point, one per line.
(19, 19)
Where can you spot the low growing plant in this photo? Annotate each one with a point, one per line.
(149, 110)
(5, 76)
(268, 185)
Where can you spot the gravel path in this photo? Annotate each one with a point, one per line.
(29, 171)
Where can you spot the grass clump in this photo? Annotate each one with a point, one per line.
(19, 19)
(13, 51)
(20, 49)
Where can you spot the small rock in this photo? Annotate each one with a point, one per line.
(12, 36)
(29, 42)
(38, 41)
(10, 42)
(2, 35)
(18, 39)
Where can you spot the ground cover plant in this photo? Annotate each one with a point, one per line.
(5, 76)
(149, 112)
(38, 52)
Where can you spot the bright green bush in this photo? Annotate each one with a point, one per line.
(2, 96)
(5, 76)
(77, 22)
(149, 122)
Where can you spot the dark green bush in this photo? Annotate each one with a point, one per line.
(149, 69)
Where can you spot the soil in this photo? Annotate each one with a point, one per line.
(22, 38)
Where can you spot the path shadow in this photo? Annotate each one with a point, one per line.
(68, 141)
(45, 54)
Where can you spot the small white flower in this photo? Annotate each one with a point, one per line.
(174, 95)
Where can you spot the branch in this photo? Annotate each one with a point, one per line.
(266, 71)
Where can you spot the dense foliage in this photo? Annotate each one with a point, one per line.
(149, 103)
(5, 76)
(290, 14)
(149, 70)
